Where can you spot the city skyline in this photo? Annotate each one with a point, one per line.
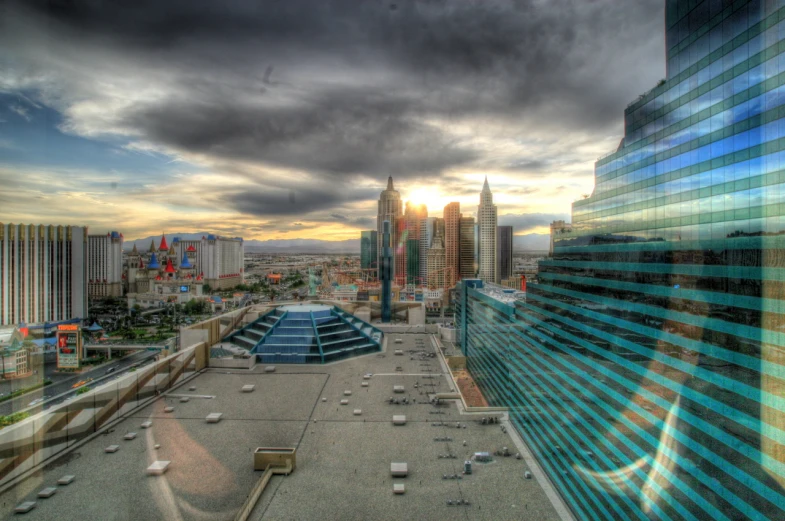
(281, 136)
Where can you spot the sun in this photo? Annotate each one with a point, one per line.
(430, 197)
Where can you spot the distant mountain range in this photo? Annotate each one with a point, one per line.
(528, 242)
(531, 242)
(303, 246)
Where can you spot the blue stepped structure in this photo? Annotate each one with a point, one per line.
(307, 334)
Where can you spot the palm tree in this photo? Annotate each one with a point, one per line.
(272, 293)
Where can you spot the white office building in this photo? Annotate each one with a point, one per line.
(43, 273)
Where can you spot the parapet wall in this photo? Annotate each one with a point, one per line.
(38, 439)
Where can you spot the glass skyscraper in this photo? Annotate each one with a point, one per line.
(413, 262)
(369, 254)
(646, 368)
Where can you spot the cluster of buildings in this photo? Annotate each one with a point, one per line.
(437, 252)
(645, 368)
(48, 272)
(180, 270)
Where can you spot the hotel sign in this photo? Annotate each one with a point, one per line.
(69, 346)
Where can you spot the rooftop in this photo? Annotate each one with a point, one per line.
(343, 460)
(502, 294)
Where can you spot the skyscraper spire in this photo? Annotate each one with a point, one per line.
(390, 183)
(487, 221)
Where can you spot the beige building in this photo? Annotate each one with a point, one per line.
(452, 242)
(436, 257)
(487, 220)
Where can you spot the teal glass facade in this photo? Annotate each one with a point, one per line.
(646, 367)
(368, 250)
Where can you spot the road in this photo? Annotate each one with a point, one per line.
(63, 383)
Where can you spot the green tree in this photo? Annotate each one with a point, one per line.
(271, 293)
(206, 288)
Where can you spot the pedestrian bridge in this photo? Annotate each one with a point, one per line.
(108, 348)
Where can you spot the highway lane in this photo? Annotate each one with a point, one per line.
(65, 386)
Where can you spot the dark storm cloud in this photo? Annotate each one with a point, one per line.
(348, 131)
(539, 64)
(357, 222)
(267, 200)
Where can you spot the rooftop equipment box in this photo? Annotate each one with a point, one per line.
(275, 456)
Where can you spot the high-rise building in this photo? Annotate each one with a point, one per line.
(645, 367)
(399, 251)
(452, 245)
(369, 255)
(486, 223)
(413, 262)
(468, 267)
(389, 209)
(222, 260)
(426, 237)
(436, 257)
(43, 273)
(558, 228)
(408, 226)
(504, 264)
(105, 265)
(385, 271)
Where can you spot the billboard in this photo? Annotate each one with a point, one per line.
(69, 346)
(183, 289)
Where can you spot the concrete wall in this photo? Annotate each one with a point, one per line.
(426, 328)
(234, 363)
(416, 315)
(190, 336)
(250, 317)
(363, 314)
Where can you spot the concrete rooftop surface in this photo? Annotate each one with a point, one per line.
(343, 460)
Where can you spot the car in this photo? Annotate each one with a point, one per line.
(111, 370)
(36, 401)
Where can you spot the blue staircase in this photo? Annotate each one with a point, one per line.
(310, 336)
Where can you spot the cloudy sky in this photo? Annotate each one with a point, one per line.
(276, 119)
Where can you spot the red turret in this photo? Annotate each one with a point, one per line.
(169, 268)
(163, 246)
